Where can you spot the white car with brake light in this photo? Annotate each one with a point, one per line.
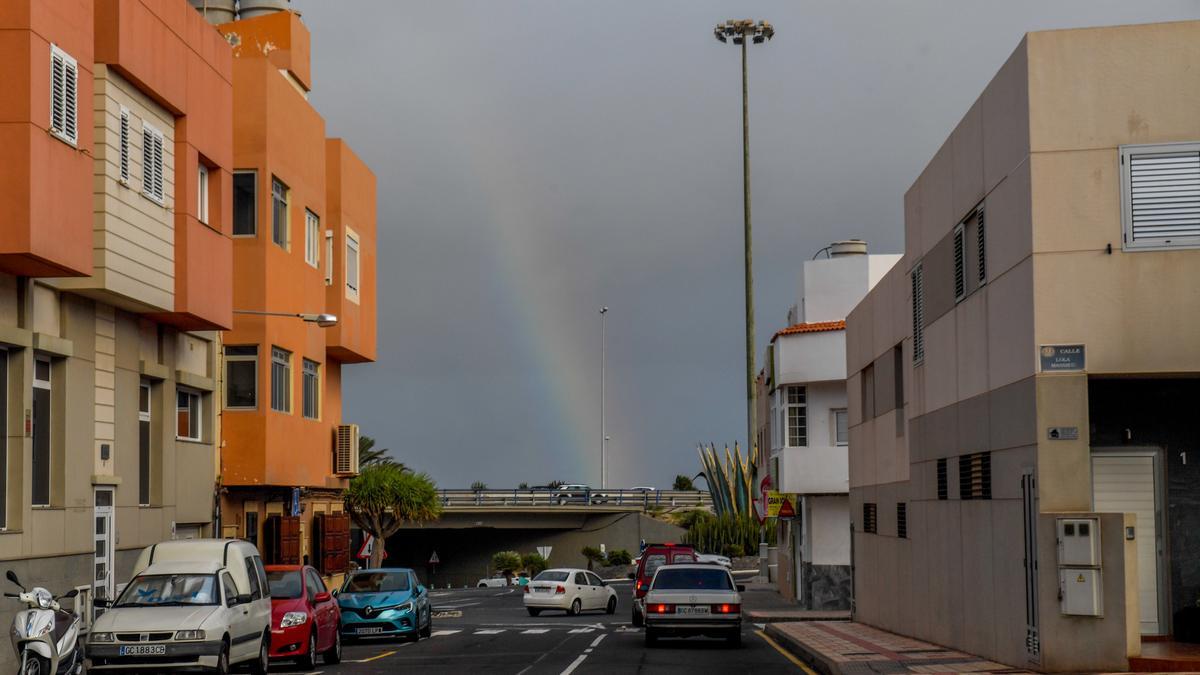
(714, 559)
(695, 599)
(570, 590)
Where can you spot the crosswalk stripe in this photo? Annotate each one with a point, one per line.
(489, 631)
(438, 633)
(582, 630)
(535, 631)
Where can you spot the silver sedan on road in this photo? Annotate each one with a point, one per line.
(693, 599)
(569, 589)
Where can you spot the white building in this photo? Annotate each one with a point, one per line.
(804, 390)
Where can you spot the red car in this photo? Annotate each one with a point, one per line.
(304, 616)
(654, 557)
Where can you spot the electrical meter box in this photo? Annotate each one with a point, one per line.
(1079, 542)
(1080, 591)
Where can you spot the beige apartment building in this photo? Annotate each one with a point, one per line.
(1022, 383)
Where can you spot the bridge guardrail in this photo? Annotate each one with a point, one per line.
(518, 497)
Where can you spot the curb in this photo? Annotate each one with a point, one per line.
(802, 651)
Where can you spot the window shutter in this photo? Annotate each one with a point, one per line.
(870, 519)
(124, 145)
(147, 161)
(943, 492)
(981, 250)
(70, 95)
(960, 274)
(58, 68)
(975, 476)
(1164, 195)
(902, 520)
(918, 313)
(158, 166)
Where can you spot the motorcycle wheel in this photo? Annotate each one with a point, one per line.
(34, 664)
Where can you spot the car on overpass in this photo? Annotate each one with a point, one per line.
(575, 493)
(570, 590)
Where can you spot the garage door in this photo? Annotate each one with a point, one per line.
(1125, 484)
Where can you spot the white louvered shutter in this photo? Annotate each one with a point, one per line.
(158, 166)
(918, 313)
(1163, 192)
(58, 106)
(70, 97)
(124, 145)
(960, 260)
(981, 248)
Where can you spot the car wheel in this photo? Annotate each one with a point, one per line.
(651, 638)
(576, 608)
(428, 631)
(533, 612)
(482, 586)
(223, 659)
(612, 606)
(309, 660)
(263, 663)
(637, 618)
(734, 639)
(334, 655)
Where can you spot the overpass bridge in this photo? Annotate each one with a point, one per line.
(592, 501)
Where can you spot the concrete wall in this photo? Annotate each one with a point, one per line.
(830, 287)
(820, 467)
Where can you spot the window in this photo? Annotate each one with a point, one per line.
(312, 585)
(187, 415)
(281, 375)
(245, 206)
(252, 527)
(41, 432)
(252, 575)
(145, 455)
(64, 92)
(152, 162)
(943, 491)
(1160, 195)
(352, 266)
(975, 476)
(868, 392)
(902, 520)
(980, 247)
(123, 159)
(841, 427)
(918, 313)
(311, 385)
(231, 593)
(960, 255)
(312, 238)
(797, 417)
(870, 518)
(898, 378)
(279, 212)
(241, 376)
(3, 439)
(202, 194)
(328, 257)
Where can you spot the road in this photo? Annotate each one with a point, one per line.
(488, 630)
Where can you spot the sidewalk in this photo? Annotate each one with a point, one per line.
(833, 648)
(762, 604)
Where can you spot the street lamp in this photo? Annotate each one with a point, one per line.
(742, 31)
(322, 320)
(603, 421)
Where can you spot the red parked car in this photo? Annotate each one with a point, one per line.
(654, 557)
(304, 616)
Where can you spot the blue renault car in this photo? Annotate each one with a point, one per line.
(384, 603)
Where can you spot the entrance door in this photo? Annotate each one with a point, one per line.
(1127, 482)
(102, 530)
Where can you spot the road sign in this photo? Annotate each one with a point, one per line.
(544, 551)
(781, 505)
(368, 547)
(433, 559)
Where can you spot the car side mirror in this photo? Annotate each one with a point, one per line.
(631, 575)
(101, 603)
(420, 590)
(335, 593)
(603, 582)
(242, 599)
(322, 597)
(741, 588)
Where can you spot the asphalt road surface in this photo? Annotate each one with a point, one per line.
(488, 630)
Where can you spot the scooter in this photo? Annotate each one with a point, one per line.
(45, 636)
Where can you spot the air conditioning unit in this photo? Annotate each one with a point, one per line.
(345, 451)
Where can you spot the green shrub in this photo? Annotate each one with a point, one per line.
(593, 555)
(733, 551)
(619, 556)
(682, 482)
(709, 535)
(478, 486)
(534, 563)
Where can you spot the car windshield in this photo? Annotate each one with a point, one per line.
(551, 576)
(692, 579)
(164, 590)
(285, 584)
(376, 582)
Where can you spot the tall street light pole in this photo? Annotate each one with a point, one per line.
(741, 31)
(603, 421)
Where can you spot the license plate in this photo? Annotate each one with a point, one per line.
(541, 590)
(143, 650)
(700, 609)
(368, 630)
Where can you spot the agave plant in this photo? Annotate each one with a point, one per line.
(730, 482)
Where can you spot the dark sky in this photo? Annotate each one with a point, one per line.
(537, 160)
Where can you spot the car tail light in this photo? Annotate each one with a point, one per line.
(560, 590)
(640, 584)
(526, 588)
(660, 608)
(726, 609)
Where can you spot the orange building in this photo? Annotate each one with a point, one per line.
(304, 244)
(115, 276)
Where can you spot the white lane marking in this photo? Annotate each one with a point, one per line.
(582, 630)
(490, 631)
(454, 605)
(439, 633)
(761, 626)
(596, 642)
(535, 631)
(588, 650)
(574, 664)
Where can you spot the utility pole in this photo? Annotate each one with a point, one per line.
(603, 420)
(742, 31)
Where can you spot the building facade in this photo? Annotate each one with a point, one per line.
(115, 274)
(303, 233)
(1020, 486)
(803, 389)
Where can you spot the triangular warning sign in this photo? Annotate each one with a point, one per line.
(786, 510)
(433, 559)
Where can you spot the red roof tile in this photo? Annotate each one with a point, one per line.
(817, 327)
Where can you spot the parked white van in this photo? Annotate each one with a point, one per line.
(190, 603)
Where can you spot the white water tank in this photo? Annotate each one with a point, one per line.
(248, 9)
(847, 247)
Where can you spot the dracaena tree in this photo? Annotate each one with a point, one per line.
(384, 497)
